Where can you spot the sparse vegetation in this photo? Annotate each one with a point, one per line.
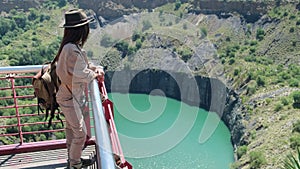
(242, 150)
(266, 62)
(257, 160)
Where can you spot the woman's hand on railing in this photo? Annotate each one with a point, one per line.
(100, 74)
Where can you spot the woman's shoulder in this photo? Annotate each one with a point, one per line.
(70, 46)
(70, 49)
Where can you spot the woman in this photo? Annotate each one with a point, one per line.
(75, 72)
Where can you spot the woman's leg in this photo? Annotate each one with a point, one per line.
(75, 132)
(69, 138)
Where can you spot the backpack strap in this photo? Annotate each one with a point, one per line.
(81, 106)
(73, 95)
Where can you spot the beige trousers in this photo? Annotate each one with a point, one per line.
(75, 125)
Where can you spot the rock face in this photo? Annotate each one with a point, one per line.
(251, 11)
(114, 9)
(210, 94)
(7, 5)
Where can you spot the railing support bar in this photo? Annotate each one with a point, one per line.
(12, 80)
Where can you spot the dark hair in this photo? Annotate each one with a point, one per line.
(77, 35)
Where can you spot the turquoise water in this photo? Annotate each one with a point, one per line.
(162, 133)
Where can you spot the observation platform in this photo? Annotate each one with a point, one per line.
(51, 159)
(25, 142)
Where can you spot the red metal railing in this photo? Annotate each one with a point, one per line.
(16, 106)
(17, 123)
(115, 142)
(11, 98)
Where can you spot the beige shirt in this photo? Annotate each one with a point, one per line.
(73, 67)
(74, 71)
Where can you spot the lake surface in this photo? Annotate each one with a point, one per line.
(162, 133)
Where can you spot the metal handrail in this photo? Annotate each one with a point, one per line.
(103, 143)
(20, 69)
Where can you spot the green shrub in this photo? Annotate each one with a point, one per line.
(294, 82)
(59, 135)
(268, 101)
(203, 31)
(228, 39)
(295, 141)
(231, 61)
(122, 46)
(43, 137)
(296, 97)
(138, 44)
(284, 101)
(186, 54)
(284, 75)
(177, 5)
(292, 17)
(253, 134)
(296, 127)
(223, 61)
(236, 72)
(260, 33)
(242, 150)
(231, 55)
(278, 107)
(257, 160)
(253, 43)
(252, 50)
(131, 50)
(261, 81)
(250, 58)
(136, 35)
(6, 25)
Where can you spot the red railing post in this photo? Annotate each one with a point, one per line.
(12, 80)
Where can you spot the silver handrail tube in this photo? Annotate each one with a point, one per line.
(101, 132)
(20, 69)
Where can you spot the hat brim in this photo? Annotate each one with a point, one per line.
(77, 25)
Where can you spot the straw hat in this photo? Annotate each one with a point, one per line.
(75, 18)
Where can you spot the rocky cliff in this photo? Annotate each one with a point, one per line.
(250, 10)
(7, 5)
(210, 94)
(113, 9)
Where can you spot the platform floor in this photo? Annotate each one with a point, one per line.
(51, 159)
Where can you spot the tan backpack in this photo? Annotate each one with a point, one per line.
(46, 84)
